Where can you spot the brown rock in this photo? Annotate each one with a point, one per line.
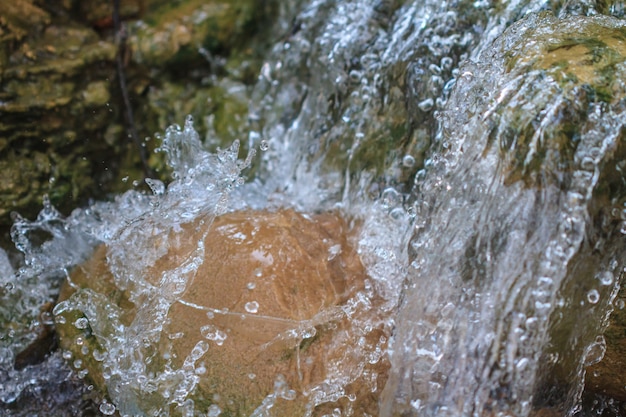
(278, 299)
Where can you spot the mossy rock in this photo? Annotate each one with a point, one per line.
(63, 127)
(173, 32)
(265, 314)
(54, 109)
(556, 70)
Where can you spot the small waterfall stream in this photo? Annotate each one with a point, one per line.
(483, 183)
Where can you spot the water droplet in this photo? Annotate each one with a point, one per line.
(288, 395)
(77, 363)
(595, 352)
(81, 323)
(355, 76)
(264, 146)
(214, 411)
(620, 304)
(157, 187)
(408, 161)
(80, 341)
(426, 105)
(333, 251)
(67, 355)
(593, 296)
(252, 307)
(213, 333)
(391, 198)
(251, 376)
(251, 285)
(605, 278)
(434, 69)
(107, 409)
(446, 63)
(258, 272)
(199, 350)
(521, 364)
(98, 356)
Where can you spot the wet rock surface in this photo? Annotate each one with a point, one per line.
(361, 89)
(63, 130)
(546, 130)
(267, 317)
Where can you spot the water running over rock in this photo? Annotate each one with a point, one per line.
(486, 202)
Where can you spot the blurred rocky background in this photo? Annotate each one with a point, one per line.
(64, 127)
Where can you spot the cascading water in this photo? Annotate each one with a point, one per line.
(487, 226)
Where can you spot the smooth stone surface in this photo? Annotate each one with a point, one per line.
(270, 299)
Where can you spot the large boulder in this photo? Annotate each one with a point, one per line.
(271, 319)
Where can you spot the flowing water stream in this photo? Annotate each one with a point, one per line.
(488, 226)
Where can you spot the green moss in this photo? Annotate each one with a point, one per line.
(563, 67)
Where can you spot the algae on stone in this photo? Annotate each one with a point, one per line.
(59, 93)
(558, 69)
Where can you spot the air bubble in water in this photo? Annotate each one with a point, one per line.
(199, 350)
(98, 356)
(355, 76)
(288, 395)
(214, 411)
(426, 105)
(252, 307)
(593, 296)
(446, 63)
(333, 251)
(605, 278)
(408, 161)
(107, 409)
(213, 333)
(595, 352)
(391, 198)
(81, 323)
